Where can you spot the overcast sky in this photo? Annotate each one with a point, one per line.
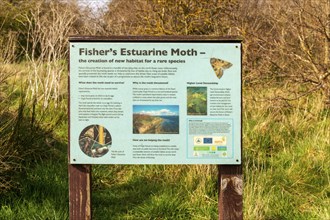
(156, 110)
(95, 4)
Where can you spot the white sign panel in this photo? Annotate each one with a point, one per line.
(155, 102)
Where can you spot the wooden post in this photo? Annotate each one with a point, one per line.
(230, 201)
(80, 192)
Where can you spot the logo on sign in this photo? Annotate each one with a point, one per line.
(207, 140)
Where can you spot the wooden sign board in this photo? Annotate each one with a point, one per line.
(155, 100)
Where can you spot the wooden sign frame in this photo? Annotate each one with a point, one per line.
(230, 181)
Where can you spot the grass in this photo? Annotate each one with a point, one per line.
(155, 192)
(42, 196)
(286, 167)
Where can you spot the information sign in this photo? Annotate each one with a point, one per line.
(155, 102)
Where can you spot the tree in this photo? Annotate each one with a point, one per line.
(171, 17)
(48, 25)
(10, 28)
(287, 44)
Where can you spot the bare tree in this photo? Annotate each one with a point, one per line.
(287, 44)
(48, 25)
(152, 17)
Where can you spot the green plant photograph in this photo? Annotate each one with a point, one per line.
(196, 100)
(285, 118)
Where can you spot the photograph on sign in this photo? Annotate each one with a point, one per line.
(95, 141)
(155, 119)
(155, 102)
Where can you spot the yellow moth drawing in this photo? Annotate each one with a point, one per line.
(219, 66)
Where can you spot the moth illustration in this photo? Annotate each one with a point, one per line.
(219, 66)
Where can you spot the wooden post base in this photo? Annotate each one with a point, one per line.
(80, 192)
(230, 201)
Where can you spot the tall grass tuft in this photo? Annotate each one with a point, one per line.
(25, 128)
(286, 166)
(155, 192)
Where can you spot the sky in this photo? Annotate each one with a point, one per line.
(156, 110)
(94, 4)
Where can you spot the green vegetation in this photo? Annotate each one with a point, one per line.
(286, 167)
(33, 167)
(286, 114)
(155, 192)
(197, 100)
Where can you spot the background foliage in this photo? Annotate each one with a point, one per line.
(285, 121)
